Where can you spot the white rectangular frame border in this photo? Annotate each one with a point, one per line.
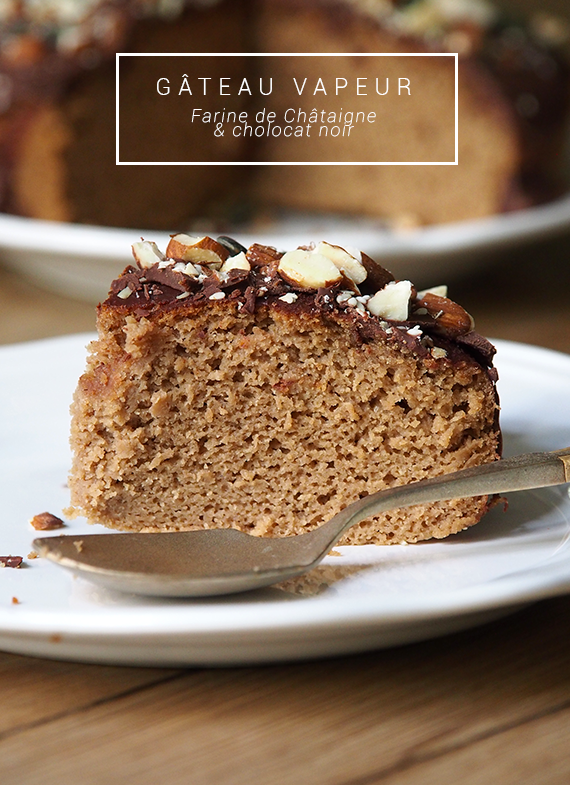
(286, 163)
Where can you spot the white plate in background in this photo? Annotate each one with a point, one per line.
(376, 596)
(81, 261)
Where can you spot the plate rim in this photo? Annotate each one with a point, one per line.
(39, 235)
(217, 620)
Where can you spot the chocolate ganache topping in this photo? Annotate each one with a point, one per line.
(321, 280)
(43, 45)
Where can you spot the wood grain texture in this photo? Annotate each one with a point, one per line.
(392, 716)
(35, 691)
(532, 752)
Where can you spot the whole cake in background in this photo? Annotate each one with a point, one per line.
(265, 391)
(57, 99)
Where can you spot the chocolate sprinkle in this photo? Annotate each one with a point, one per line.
(231, 245)
(478, 346)
(424, 334)
(11, 561)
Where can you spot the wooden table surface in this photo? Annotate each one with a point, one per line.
(483, 707)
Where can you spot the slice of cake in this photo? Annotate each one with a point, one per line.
(265, 391)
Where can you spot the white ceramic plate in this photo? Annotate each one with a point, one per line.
(81, 261)
(370, 596)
